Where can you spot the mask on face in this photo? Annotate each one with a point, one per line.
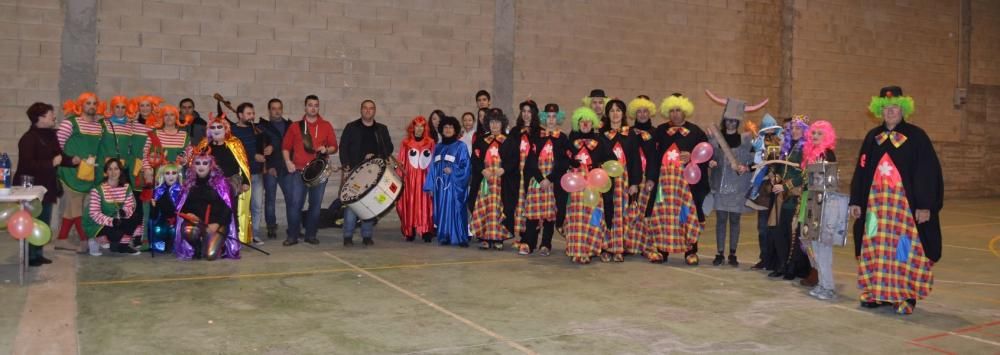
(217, 133)
(170, 177)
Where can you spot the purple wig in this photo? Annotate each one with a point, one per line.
(217, 180)
(800, 121)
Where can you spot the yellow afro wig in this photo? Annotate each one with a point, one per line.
(640, 103)
(676, 101)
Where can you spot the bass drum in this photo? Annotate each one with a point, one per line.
(371, 188)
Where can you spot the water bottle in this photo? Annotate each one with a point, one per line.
(5, 170)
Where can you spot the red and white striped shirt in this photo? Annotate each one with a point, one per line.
(66, 129)
(167, 139)
(117, 195)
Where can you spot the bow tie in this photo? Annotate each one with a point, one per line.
(684, 131)
(896, 138)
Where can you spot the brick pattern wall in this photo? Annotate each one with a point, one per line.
(564, 49)
(985, 42)
(409, 56)
(30, 34)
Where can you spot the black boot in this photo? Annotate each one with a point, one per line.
(719, 259)
(732, 260)
(272, 232)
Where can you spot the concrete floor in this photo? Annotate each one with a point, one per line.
(399, 297)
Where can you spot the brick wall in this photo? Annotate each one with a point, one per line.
(29, 63)
(564, 49)
(985, 42)
(409, 56)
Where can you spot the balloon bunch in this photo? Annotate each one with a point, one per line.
(592, 183)
(702, 153)
(21, 222)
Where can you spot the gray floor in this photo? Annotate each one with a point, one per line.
(399, 297)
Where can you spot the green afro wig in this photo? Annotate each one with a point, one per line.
(878, 103)
(585, 114)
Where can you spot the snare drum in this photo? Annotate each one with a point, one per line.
(371, 188)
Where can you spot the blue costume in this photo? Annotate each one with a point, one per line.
(449, 191)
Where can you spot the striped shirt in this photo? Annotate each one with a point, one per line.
(167, 139)
(66, 129)
(116, 195)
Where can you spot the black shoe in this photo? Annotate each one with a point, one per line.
(289, 242)
(44, 260)
(312, 241)
(719, 259)
(871, 304)
(788, 275)
(758, 266)
(428, 237)
(464, 244)
(775, 273)
(125, 249)
(367, 241)
(35, 262)
(409, 239)
(732, 261)
(348, 242)
(272, 232)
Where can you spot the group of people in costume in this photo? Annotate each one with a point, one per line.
(479, 179)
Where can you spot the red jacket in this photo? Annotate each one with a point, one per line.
(322, 136)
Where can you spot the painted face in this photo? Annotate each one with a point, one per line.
(482, 101)
(817, 137)
(732, 124)
(170, 177)
(597, 104)
(368, 110)
(418, 130)
(312, 108)
(48, 120)
(119, 110)
(217, 131)
(796, 132)
(202, 166)
(468, 122)
(276, 110)
(496, 126)
(448, 131)
(145, 108)
(616, 116)
(892, 115)
(586, 126)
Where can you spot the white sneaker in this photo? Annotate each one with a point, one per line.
(257, 241)
(827, 295)
(816, 290)
(94, 247)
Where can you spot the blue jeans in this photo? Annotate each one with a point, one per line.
(297, 200)
(351, 221)
(256, 202)
(271, 184)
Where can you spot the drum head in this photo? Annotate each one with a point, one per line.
(314, 169)
(362, 179)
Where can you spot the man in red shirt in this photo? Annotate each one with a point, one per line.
(304, 141)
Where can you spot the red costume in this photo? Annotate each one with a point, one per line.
(415, 206)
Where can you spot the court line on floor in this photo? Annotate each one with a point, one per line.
(289, 273)
(435, 306)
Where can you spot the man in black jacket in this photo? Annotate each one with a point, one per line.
(363, 139)
(274, 177)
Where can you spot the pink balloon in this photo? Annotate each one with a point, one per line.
(692, 174)
(572, 182)
(597, 178)
(20, 224)
(702, 153)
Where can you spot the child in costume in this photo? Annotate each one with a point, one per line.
(414, 206)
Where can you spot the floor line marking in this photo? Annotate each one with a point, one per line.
(289, 273)
(433, 305)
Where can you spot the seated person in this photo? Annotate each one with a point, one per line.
(163, 214)
(206, 227)
(109, 218)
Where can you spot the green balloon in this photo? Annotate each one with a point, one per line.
(40, 235)
(590, 198)
(6, 211)
(35, 207)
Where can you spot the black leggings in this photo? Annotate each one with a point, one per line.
(531, 234)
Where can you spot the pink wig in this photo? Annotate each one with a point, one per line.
(811, 152)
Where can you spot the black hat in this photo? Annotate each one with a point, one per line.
(891, 91)
(551, 108)
(597, 93)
